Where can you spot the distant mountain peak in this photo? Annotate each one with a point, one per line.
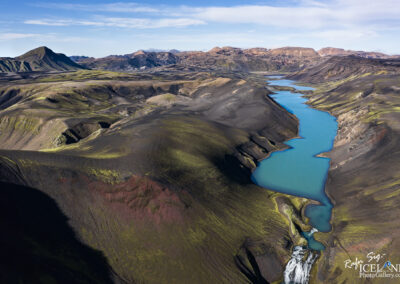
(39, 59)
(139, 52)
(39, 52)
(224, 49)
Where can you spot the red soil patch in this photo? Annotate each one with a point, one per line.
(372, 245)
(140, 198)
(63, 180)
(379, 135)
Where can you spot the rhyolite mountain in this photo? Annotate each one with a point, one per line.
(332, 51)
(341, 67)
(38, 59)
(225, 58)
(285, 59)
(254, 59)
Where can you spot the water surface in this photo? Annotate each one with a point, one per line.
(297, 170)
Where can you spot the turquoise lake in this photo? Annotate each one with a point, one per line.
(297, 170)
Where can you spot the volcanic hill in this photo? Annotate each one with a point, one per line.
(39, 59)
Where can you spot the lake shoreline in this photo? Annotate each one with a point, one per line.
(319, 200)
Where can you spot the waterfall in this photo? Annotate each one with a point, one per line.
(298, 269)
(313, 230)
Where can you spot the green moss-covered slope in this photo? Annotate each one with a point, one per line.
(163, 191)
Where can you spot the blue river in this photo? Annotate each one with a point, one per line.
(298, 171)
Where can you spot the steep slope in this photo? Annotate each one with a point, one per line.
(364, 181)
(12, 65)
(39, 59)
(342, 67)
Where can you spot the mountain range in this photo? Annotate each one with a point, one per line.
(285, 59)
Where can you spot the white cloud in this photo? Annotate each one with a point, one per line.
(139, 23)
(314, 17)
(345, 23)
(306, 14)
(12, 36)
(111, 7)
(150, 23)
(45, 22)
(309, 14)
(343, 34)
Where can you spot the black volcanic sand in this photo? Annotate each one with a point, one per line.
(151, 170)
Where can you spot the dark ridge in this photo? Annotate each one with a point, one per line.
(9, 98)
(54, 101)
(252, 273)
(104, 124)
(71, 137)
(82, 130)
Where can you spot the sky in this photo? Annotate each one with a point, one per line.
(101, 28)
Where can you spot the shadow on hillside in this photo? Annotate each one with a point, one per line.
(38, 246)
(253, 272)
(231, 168)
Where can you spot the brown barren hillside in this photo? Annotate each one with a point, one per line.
(332, 51)
(342, 67)
(218, 58)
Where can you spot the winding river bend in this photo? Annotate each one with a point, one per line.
(301, 172)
